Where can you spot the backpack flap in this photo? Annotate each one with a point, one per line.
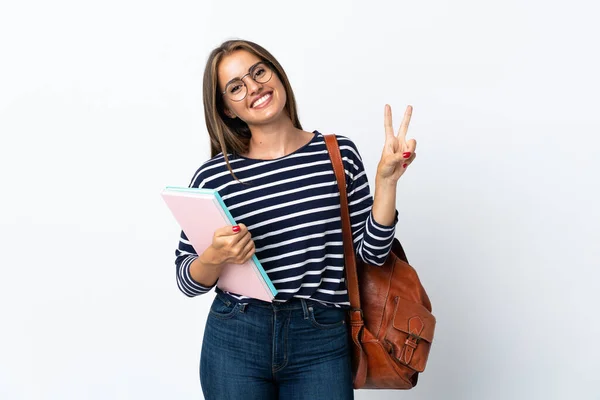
(409, 339)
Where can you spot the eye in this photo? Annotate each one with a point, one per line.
(235, 88)
(259, 71)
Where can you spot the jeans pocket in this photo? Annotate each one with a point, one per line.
(326, 318)
(224, 308)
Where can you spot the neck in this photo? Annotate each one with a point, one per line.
(274, 140)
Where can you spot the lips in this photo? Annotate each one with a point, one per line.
(262, 101)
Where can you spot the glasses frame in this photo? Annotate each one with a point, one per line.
(250, 71)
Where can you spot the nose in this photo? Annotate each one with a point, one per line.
(252, 86)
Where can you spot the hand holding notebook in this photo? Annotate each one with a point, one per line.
(230, 244)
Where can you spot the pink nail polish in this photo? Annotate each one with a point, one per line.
(236, 228)
(404, 166)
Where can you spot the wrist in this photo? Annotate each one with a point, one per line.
(385, 183)
(208, 257)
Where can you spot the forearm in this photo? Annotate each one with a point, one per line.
(384, 202)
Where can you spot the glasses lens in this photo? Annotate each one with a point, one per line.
(236, 90)
(261, 73)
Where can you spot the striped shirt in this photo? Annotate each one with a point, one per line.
(291, 207)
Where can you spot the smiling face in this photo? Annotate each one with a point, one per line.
(264, 102)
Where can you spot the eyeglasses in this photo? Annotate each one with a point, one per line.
(236, 89)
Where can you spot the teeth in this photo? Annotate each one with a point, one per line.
(261, 100)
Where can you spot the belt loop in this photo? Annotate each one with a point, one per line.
(304, 308)
(224, 299)
(243, 307)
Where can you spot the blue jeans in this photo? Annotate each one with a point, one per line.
(295, 350)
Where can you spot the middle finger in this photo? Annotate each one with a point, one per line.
(404, 126)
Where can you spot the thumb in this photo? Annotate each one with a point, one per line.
(393, 158)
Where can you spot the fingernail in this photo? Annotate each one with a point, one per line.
(406, 155)
(404, 166)
(236, 228)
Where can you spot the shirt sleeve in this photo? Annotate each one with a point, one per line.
(185, 254)
(372, 241)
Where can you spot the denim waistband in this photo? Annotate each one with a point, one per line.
(292, 304)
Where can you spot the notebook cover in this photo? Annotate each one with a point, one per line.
(199, 217)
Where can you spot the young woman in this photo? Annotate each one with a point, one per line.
(278, 183)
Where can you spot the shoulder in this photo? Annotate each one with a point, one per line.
(348, 148)
(351, 158)
(346, 145)
(209, 170)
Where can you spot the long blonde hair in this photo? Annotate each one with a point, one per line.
(228, 135)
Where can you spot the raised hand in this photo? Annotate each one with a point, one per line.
(398, 153)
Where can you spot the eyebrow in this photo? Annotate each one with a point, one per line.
(238, 78)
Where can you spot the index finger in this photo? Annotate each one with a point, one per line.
(230, 230)
(404, 126)
(387, 120)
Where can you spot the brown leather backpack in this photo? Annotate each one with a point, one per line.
(391, 325)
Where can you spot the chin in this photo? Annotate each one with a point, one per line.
(268, 119)
(271, 113)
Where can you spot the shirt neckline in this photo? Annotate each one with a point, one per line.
(298, 150)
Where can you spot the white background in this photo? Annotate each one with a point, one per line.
(101, 107)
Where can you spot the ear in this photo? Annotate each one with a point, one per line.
(229, 113)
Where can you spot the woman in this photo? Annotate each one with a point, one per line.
(278, 183)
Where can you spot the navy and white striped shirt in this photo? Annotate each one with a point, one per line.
(291, 207)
